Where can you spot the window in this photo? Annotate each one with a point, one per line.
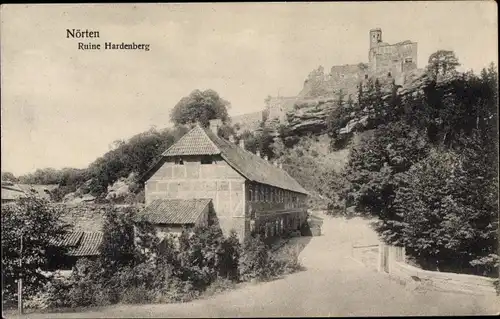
(389, 74)
(179, 161)
(408, 60)
(366, 76)
(250, 194)
(206, 160)
(257, 194)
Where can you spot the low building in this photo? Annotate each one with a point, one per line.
(77, 245)
(11, 192)
(249, 194)
(171, 216)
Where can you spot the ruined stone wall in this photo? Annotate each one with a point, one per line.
(278, 106)
(397, 58)
(217, 181)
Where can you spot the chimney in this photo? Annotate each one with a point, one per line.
(214, 125)
(242, 143)
(257, 153)
(265, 157)
(231, 139)
(281, 165)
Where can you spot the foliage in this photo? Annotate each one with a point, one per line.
(445, 215)
(136, 155)
(429, 170)
(254, 261)
(9, 177)
(117, 248)
(373, 166)
(261, 141)
(38, 225)
(200, 106)
(442, 62)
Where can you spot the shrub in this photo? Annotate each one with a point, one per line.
(284, 261)
(37, 224)
(218, 286)
(137, 295)
(254, 260)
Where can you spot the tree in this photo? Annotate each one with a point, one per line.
(117, 249)
(446, 212)
(39, 226)
(9, 177)
(200, 106)
(442, 62)
(375, 162)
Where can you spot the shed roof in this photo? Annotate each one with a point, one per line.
(201, 141)
(80, 244)
(175, 211)
(70, 239)
(88, 246)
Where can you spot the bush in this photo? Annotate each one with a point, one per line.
(284, 261)
(219, 285)
(254, 260)
(137, 295)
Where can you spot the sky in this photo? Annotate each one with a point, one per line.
(63, 107)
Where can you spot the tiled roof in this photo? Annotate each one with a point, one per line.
(174, 211)
(88, 246)
(193, 143)
(200, 141)
(68, 240)
(80, 244)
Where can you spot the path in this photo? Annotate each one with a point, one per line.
(333, 284)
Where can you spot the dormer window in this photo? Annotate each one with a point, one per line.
(205, 160)
(179, 161)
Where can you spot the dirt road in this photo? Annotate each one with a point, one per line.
(333, 284)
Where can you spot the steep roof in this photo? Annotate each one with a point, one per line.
(175, 211)
(193, 142)
(201, 141)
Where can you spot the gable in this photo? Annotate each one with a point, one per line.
(200, 141)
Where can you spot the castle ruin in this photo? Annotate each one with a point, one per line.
(387, 62)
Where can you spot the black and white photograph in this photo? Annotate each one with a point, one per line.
(253, 159)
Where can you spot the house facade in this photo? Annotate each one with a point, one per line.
(248, 194)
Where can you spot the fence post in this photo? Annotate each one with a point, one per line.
(380, 259)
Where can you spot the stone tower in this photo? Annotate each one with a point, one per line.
(375, 37)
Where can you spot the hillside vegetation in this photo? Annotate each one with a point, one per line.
(422, 158)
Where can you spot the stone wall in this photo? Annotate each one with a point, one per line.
(279, 106)
(397, 58)
(397, 267)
